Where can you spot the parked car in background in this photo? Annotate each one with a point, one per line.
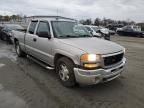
(6, 31)
(112, 32)
(1, 27)
(104, 32)
(93, 30)
(99, 32)
(130, 31)
(114, 27)
(60, 43)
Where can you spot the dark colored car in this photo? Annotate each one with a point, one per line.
(6, 32)
(1, 27)
(114, 27)
(112, 32)
(130, 31)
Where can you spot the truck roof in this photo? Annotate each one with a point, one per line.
(50, 18)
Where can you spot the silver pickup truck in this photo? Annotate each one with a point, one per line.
(77, 57)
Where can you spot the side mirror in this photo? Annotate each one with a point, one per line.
(23, 30)
(44, 35)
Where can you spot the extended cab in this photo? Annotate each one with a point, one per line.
(60, 43)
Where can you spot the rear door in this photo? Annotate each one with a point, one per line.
(31, 39)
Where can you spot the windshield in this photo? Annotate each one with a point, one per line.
(65, 29)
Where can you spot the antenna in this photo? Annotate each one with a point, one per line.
(57, 11)
(57, 14)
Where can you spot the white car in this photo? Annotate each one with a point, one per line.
(93, 30)
(99, 31)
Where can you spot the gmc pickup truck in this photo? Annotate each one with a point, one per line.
(76, 56)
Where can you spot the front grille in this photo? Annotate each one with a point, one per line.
(111, 60)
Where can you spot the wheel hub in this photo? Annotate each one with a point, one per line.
(64, 72)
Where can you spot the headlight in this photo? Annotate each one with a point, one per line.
(90, 57)
(90, 60)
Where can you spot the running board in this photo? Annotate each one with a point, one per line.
(40, 63)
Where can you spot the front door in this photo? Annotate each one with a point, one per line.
(43, 44)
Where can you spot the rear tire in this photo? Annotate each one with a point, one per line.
(64, 68)
(19, 52)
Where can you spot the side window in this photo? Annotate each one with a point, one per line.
(43, 27)
(32, 27)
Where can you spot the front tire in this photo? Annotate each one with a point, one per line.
(19, 52)
(64, 68)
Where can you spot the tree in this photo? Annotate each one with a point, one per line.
(82, 21)
(1, 17)
(97, 22)
(19, 17)
(6, 18)
(13, 17)
(86, 22)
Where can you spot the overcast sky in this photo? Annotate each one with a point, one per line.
(79, 9)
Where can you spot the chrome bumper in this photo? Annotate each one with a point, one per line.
(90, 77)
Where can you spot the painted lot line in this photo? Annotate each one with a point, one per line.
(2, 65)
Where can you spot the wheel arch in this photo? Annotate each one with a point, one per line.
(15, 40)
(58, 56)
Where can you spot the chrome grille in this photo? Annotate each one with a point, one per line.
(111, 60)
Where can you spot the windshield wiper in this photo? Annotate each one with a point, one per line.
(68, 36)
(85, 36)
(72, 36)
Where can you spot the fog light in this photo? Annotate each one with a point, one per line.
(91, 65)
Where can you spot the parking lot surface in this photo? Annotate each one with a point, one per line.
(25, 84)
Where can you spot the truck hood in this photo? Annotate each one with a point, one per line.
(93, 45)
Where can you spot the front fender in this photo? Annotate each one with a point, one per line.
(73, 57)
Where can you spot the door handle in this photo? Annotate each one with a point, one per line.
(34, 39)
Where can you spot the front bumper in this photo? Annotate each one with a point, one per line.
(90, 77)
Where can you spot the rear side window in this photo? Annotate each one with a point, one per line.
(32, 27)
(43, 27)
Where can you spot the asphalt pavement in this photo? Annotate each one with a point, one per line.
(25, 84)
